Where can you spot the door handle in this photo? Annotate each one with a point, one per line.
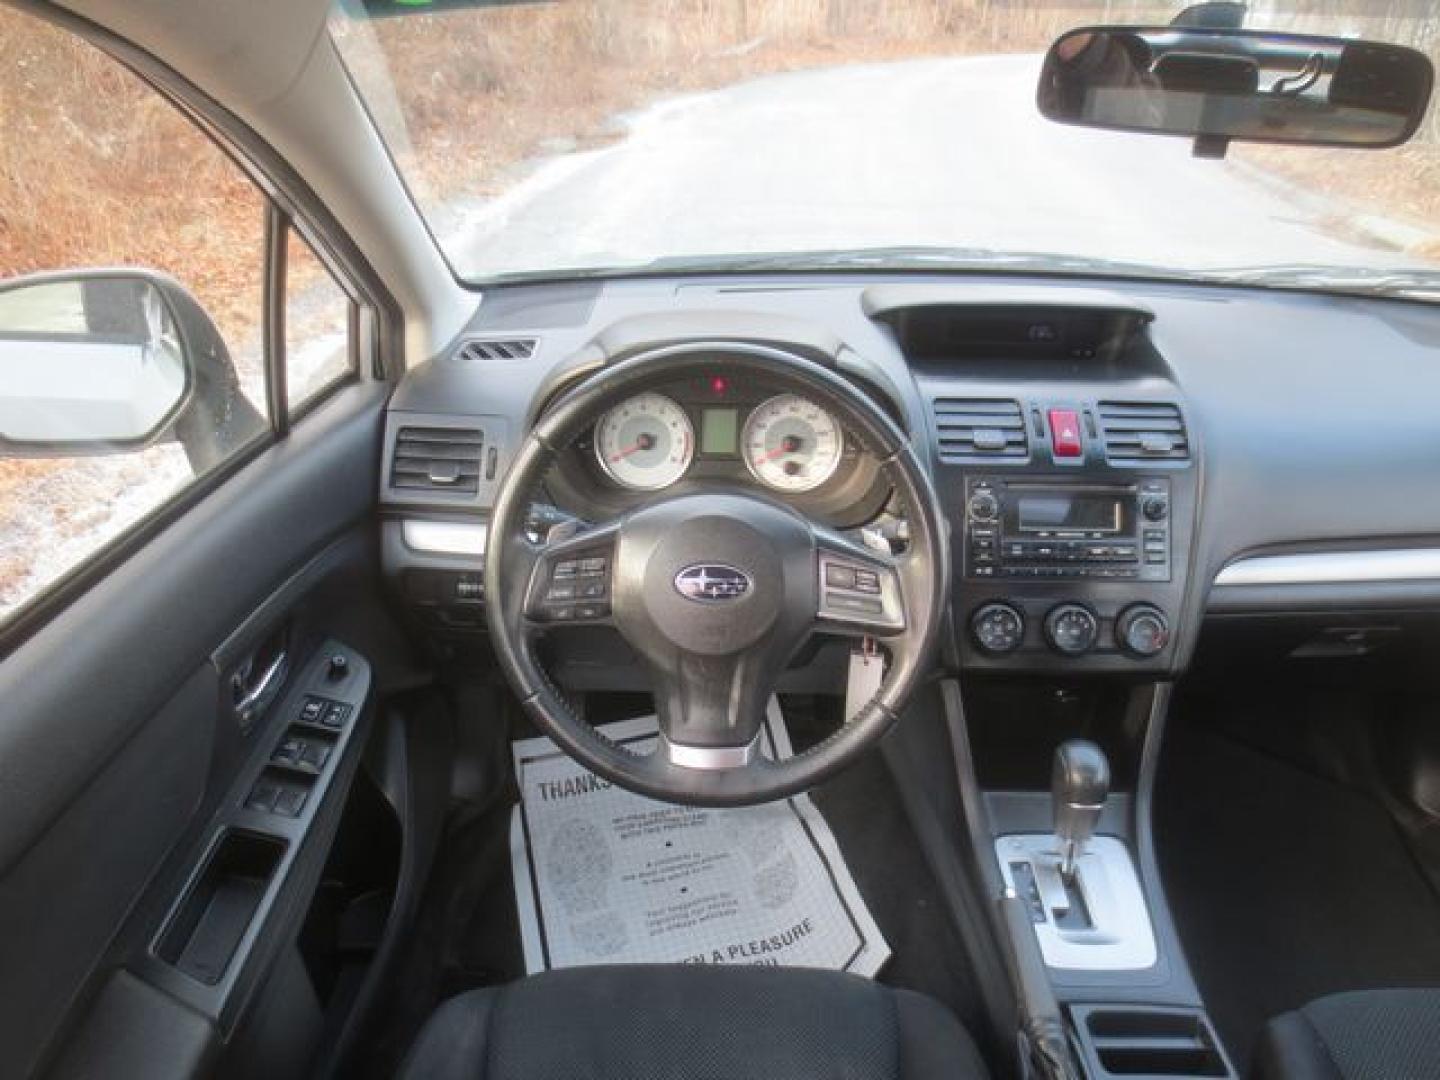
(252, 698)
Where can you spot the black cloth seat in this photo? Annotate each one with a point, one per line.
(684, 1022)
(1364, 1035)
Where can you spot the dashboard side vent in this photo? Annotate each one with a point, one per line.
(1142, 432)
(980, 429)
(497, 349)
(437, 459)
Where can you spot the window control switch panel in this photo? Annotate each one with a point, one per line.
(276, 793)
(303, 750)
(321, 712)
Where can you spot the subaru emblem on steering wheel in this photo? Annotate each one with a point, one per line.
(712, 582)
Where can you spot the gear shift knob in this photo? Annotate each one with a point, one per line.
(1079, 784)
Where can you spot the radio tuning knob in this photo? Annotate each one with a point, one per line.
(1154, 507)
(983, 506)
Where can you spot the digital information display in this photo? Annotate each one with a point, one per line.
(1064, 513)
(719, 430)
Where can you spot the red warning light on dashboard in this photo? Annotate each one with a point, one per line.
(719, 385)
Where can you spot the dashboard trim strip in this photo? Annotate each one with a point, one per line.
(1334, 567)
(444, 537)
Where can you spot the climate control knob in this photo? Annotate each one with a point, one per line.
(998, 628)
(1071, 629)
(1142, 630)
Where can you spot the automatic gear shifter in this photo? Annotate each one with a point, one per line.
(1082, 891)
(1079, 785)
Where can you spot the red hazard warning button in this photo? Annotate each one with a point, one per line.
(1065, 433)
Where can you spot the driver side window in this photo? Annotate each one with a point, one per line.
(121, 391)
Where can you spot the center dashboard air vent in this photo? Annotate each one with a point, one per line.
(497, 349)
(1143, 432)
(980, 429)
(437, 459)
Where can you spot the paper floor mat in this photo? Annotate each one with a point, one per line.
(603, 876)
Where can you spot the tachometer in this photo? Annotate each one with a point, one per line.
(791, 444)
(645, 443)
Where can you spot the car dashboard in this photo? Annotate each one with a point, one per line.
(1116, 460)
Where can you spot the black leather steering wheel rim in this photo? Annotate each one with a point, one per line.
(515, 568)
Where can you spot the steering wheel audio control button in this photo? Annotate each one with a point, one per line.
(571, 579)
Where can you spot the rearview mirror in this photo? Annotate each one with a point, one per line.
(90, 362)
(1217, 85)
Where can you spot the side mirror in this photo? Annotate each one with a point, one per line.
(1218, 84)
(105, 361)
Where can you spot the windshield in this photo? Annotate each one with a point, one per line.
(599, 136)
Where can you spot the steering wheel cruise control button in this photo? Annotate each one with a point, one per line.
(867, 581)
(859, 594)
(855, 603)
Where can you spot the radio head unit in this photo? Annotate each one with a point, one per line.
(1065, 528)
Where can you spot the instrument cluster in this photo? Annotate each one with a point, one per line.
(708, 430)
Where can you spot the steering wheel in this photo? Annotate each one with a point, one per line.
(715, 591)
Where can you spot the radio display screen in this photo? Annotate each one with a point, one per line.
(1062, 512)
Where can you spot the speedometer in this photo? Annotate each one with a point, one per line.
(791, 444)
(645, 443)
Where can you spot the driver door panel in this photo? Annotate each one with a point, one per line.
(123, 765)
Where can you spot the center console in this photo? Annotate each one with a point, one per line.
(1072, 559)
(1067, 464)
(1061, 531)
(1082, 912)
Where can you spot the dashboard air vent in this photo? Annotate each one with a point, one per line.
(1142, 432)
(980, 429)
(498, 349)
(437, 459)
